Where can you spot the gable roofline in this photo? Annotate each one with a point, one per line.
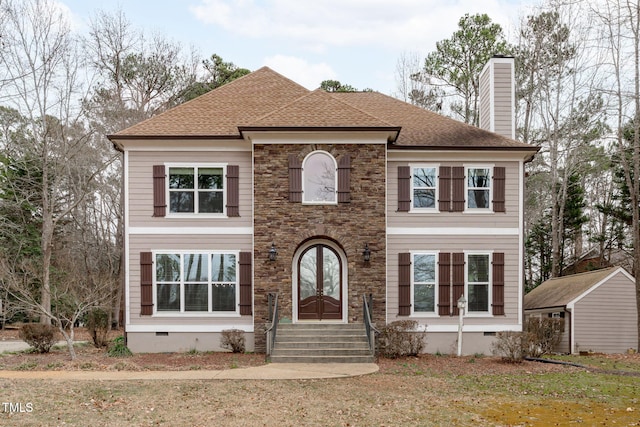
(615, 270)
(394, 130)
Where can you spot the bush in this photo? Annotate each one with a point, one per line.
(98, 326)
(118, 348)
(233, 339)
(399, 339)
(512, 346)
(545, 334)
(40, 337)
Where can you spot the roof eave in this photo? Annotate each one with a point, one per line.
(393, 130)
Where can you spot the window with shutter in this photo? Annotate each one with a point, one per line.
(499, 189)
(404, 284)
(498, 284)
(404, 188)
(458, 280)
(478, 282)
(233, 191)
(319, 178)
(444, 284)
(295, 179)
(146, 283)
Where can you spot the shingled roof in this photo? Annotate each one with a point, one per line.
(560, 291)
(267, 100)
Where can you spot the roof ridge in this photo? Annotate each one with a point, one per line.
(584, 273)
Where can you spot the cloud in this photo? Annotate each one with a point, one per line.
(409, 24)
(301, 71)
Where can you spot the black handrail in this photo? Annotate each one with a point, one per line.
(368, 324)
(273, 319)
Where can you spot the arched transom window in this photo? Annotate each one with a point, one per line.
(319, 178)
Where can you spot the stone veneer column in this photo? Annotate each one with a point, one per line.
(288, 225)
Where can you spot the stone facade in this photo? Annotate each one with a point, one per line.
(289, 225)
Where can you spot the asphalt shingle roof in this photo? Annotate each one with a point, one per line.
(560, 291)
(266, 99)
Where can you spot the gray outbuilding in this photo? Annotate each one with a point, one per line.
(599, 310)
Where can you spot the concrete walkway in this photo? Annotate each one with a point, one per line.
(272, 371)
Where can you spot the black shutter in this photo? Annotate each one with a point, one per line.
(159, 198)
(458, 280)
(404, 284)
(233, 190)
(245, 283)
(404, 188)
(344, 179)
(498, 189)
(457, 179)
(146, 283)
(498, 284)
(295, 179)
(444, 190)
(444, 284)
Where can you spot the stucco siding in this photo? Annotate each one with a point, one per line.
(460, 243)
(140, 187)
(146, 243)
(508, 219)
(606, 318)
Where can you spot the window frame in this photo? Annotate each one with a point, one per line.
(182, 312)
(488, 312)
(335, 180)
(436, 187)
(467, 208)
(196, 201)
(435, 283)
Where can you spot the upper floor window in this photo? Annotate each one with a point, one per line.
(478, 188)
(196, 189)
(424, 283)
(424, 186)
(319, 178)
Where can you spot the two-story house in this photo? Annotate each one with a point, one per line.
(262, 186)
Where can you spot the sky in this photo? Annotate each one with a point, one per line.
(357, 42)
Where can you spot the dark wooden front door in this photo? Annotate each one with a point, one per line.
(319, 284)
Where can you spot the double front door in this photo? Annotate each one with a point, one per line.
(319, 284)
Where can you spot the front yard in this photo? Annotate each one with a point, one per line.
(428, 390)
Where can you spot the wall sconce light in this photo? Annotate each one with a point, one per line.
(366, 254)
(273, 253)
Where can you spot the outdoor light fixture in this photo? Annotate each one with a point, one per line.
(366, 254)
(273, 253)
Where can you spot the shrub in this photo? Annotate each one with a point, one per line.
(40, 337)
(512, 346)
(545, 334)
(118, 348)
(233, 339)
(98, 326)
(399, 339)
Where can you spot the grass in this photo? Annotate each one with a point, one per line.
(406, 392)
(600, 362)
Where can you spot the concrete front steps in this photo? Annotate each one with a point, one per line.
(321, 343)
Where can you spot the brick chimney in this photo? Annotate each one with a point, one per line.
(497, 96)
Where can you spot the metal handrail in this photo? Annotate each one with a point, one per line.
(274, 319)
(368, 324)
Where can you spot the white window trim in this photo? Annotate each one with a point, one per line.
(435, 208)
(467, 209)
(335, 179)
(422, 314)
(197, 214)
(182, 312)
(487, 313)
